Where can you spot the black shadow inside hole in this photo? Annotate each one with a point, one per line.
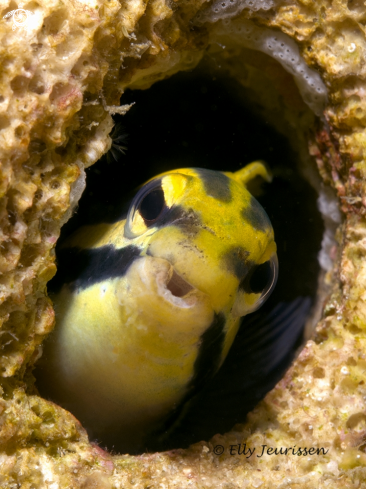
(191, 120)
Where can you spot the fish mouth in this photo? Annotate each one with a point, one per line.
(159, 275)
(174, 288)
(164, 300)
(178, 286)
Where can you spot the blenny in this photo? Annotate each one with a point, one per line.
(148, 307)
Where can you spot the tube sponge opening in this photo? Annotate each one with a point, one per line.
(277, 45)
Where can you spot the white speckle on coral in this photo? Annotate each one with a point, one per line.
(328, 206)
(344, 371)
(333, 467)
(352, 47)
(257, 482)
(47, 470)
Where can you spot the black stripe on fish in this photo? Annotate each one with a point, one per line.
(209, 354)
(216, 184)
(237, 262)
(185, 219)
(82, 268)
(256, 216)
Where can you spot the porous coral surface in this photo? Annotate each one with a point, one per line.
(61, 78)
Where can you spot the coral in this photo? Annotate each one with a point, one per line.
(61, 78)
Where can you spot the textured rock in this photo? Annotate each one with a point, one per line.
(60, 81)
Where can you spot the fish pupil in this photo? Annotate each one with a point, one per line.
(260, 277)
(152, 205)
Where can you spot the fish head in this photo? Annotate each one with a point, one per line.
(215, 235)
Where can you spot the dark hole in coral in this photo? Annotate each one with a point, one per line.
(19, 131)
(4, 122)
(19, 85)
(54, 22)
(197, 121)
(357, 6)
(36, 146)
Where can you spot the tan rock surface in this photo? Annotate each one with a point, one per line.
(60, 81)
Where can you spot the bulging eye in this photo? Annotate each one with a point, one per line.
(146, 208)
(152, 205)
(261, 279)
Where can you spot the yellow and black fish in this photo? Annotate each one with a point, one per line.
(148, 307)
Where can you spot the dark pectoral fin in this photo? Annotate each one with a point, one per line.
(269, 339)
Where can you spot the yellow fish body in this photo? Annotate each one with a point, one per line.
(147, 308)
